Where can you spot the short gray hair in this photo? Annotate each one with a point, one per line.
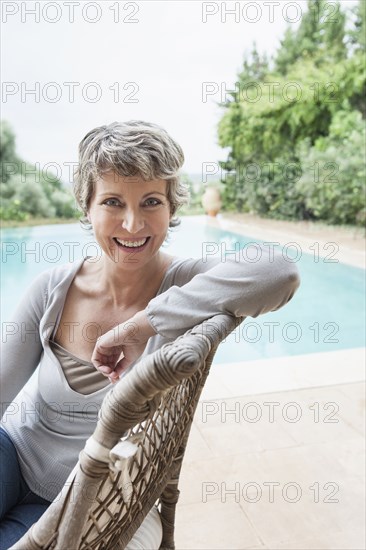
(133, 148)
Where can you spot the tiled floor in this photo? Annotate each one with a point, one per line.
(281, 469)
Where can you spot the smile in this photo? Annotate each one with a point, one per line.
(137, 244)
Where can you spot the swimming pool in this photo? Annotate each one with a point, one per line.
(327, 312)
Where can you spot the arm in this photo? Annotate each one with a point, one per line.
(238, 288)
(21, 345)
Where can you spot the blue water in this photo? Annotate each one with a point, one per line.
(327, 313)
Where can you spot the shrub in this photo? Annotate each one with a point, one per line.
(333, 179)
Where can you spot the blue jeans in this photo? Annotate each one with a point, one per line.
(19, 507)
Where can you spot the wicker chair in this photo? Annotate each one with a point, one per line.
(152, 409)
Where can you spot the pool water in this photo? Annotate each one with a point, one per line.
(327, 312)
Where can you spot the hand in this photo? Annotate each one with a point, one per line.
(118, 348)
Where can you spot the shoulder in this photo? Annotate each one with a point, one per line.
(182, 270)
(47, 288)
(54, 280)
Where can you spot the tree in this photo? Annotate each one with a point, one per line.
(304, 42)
(333, 176)
(255, 67)
(358, 34)
(333, 35)
(319, 78)
(25, 191)
(253, 72)
(288, 52)
(8, 158)
(320, 36)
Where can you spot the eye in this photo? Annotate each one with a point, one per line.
(112, 202)
(152, 202)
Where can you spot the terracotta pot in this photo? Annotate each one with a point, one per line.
(211, 201)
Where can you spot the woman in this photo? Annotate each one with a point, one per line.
(77, 319)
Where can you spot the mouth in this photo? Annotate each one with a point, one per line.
(134, 245)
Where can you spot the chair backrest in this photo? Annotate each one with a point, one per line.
(116, 482)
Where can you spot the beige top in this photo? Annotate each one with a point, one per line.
(81, 375)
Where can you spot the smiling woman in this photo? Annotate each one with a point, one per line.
(133, 299)
(130, 150)
(128, 212)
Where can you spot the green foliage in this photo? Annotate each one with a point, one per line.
(64, 204)
(34, 201)
(26, 192)
(304, 113)
(333, 179)
(357, 36)
(12, 211)
(255, 67)
(269, 188)
(333, 27)
(7, 148)
(321, 35)
(195, 195)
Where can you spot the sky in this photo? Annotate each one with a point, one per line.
(92, 63)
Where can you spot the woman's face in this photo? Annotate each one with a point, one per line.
(130, 218)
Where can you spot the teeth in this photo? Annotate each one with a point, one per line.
(132, 244)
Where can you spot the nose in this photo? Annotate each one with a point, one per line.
(133, 221)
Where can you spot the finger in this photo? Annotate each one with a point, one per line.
(97, 359)
(106, 340)
(113, 377)
(104, 369)
(101, 360)
(122, 366)
(100, 354)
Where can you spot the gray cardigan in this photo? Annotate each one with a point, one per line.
(49, 422)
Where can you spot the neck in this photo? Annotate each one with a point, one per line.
(131, 288)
